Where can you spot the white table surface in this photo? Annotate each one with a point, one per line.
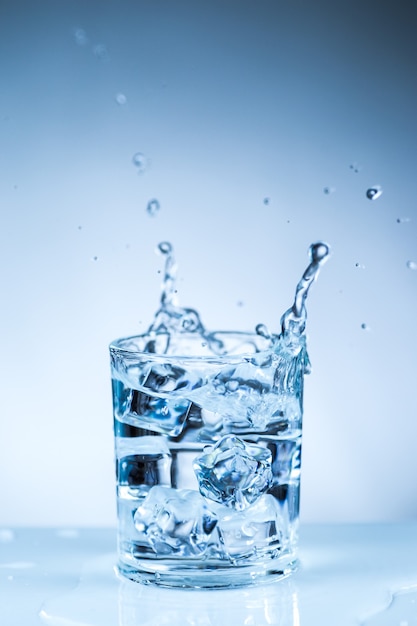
(350, 575)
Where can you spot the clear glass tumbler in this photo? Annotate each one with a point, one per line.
(208, 451)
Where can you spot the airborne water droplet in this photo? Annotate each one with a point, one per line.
(139, 161)
(412, 265)
(373, 193)
(165, 247)
(262, 330)
(80, 37)
(153, 207)
(121, 99)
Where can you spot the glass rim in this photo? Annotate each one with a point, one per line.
(262, 345)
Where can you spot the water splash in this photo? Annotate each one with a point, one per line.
(171, 318)
(294, 319)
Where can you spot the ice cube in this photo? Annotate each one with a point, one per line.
(149, 466)
(234, 472)
(162, 415)
(255, 530)
(175, 522)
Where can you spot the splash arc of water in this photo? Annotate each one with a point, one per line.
(294, 319)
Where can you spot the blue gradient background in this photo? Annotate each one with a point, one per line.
(231, 102)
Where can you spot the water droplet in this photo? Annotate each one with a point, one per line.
(95, 258)
(165, 247)
(80, 37)
(412, 265)
(267, 200)
(100, 51)
(139, 161)
(121, 99)
(262, 330)
(153, 207)
(364, 326)
(319, 251)
(328, 190)
(373, 193)
(80, 227)
(240, 303)
(354, 167)
(403, 220)
(360, 266)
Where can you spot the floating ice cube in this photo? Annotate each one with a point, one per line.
(249, 532)
(161, 415)
(234, 472)
(175, 522)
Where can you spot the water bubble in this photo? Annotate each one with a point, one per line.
(373, 193)
(364, 326)
(267, 200)
(403, 220)
(80, 37)
(165, 247)
(139, 161)
(262, 330)
(360, 266)
(80, 227)
(121, 99)
(95, 258)
(412, 265)
(153, 207)
(328, 190)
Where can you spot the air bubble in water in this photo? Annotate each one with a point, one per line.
(121, 99)
(373, 193)
(153, 207)
(139, 161)
(412, 265)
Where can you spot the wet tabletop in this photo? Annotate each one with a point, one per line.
(350, 575)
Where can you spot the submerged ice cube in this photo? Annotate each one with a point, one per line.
(234, 472)
(149, 466)
(252, 531)
(175, 522)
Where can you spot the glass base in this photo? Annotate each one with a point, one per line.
(208, 576)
